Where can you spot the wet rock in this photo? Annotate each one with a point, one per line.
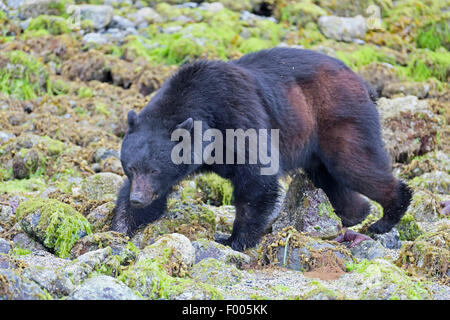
(215, 272)
(102, 186)
(103, 288)
(369, 249)
(116, 241)
(5, 246)
(14, 286)
(343, 29)
(100, 15)
(308, 210)
(101, 217)
(54, 224)
(425, 206)
(205, 249)
(409, 127)
(389, 240)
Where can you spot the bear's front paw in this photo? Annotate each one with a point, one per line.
(121, 227)
(236, 243)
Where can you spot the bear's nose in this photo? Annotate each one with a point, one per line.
(137, 200)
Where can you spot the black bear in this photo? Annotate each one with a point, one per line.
(328, 125)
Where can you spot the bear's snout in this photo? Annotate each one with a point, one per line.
(141, 193)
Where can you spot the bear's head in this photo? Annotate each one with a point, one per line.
(146, 159)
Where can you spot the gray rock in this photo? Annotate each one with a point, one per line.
(6, 136)
(14, 4)
(215, 272)
(213, 7)
(308, 210)
(145, 15)
(390, 240)
(368, 249)
(342, 28)
(100, 15)
(210, 249)
(190, 5)
(100, 218)
(7, 217)
(23, 241)
(95, 38)
(50, 279)
(180, 246)
(418, 89)
(102, 186)
(120, 23)
(34, 8)
(103, 288)
(85, 264)
(14, 286)
(172, 29)
(409, 126)
(5, 246)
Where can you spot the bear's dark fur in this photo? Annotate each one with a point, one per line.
(328, 123)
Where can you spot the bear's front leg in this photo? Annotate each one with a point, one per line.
(128, 219)
(254, 205)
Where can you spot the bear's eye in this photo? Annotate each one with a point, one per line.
(154, 171)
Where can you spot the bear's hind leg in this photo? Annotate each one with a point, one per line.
(349, 205)
(356, 158)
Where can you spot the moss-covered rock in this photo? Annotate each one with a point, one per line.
(214, 272)
(53, 24)
(214, 189)
(308, 210)
(408, 228)
(116, 241)
(188, 217)
(297, 251)
(22, 76)
(435, 181)
(102, 186)
(56, 225)
(382, 280)
(429, 254)
(410, 127)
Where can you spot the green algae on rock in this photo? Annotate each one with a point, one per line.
(428, 254)
(383, 280)
(22, 75)
(56, 225)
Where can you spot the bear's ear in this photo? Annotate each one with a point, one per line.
(132, 119)
(186, 124)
